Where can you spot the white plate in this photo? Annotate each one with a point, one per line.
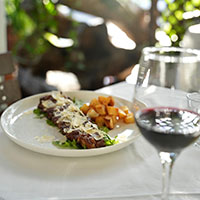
(21, 126)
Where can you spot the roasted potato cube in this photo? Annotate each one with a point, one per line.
(109, 122)
(85, 108)
(129, 118)
(100, 121)
(121, 113)
(101, 109)
(92, 113)
(104, 100)
(112, 101)
(125, 109)
(94, 102)
(114, 118)
(112, 110)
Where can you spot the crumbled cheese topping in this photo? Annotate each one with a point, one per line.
(44, 138)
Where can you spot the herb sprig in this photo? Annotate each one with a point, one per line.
(109, 141)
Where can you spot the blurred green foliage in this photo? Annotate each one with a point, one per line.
(173, 22)
(30, 20)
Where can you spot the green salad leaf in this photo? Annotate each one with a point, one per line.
(38, 113)
(49, 122)
(109, 141)
(66, 144)
(104, 129)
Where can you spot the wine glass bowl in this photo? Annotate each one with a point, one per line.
(166, 77)
(168, 129)
(169, 67)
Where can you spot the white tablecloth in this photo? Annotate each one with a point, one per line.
(131, 173)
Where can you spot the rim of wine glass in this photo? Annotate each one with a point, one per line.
(151, 53)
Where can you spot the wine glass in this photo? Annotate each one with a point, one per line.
(193, 100)
(166, 75)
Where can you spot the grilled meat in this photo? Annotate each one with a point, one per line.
(71, 121)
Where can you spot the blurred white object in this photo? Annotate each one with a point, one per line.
(3, 38)
(132, 78)
(119, 38)
(192, 37)
(163, 38)
(191, 14)
(58, 41)
(79, 16)
(63, 81)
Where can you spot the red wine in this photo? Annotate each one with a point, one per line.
(168, 129)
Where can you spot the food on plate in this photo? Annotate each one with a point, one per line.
(80, 132)
(104, 113)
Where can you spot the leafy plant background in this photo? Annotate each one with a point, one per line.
(29, 27)
(173, 22)
(31, 23)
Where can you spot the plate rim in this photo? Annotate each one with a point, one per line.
(66, 152)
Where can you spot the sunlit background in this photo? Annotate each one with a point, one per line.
(72, 46)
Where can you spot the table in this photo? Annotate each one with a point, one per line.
(131, 173)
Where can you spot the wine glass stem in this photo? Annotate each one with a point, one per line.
(167, 160)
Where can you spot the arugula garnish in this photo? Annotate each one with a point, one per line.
(104, 129)
(49, 122)
(109, 141)
(73, 144)
(66, 144)
(39, 114)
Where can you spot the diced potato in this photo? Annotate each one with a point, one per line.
(112, 110)
(101, 109)
(85, 108)
(104, 100)
(112, 101)
(121, 113)
(92, 113)
(125, 109)
(109, 122)
(114, 118)
(129, 118)
(100, 121)
(94, 102)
